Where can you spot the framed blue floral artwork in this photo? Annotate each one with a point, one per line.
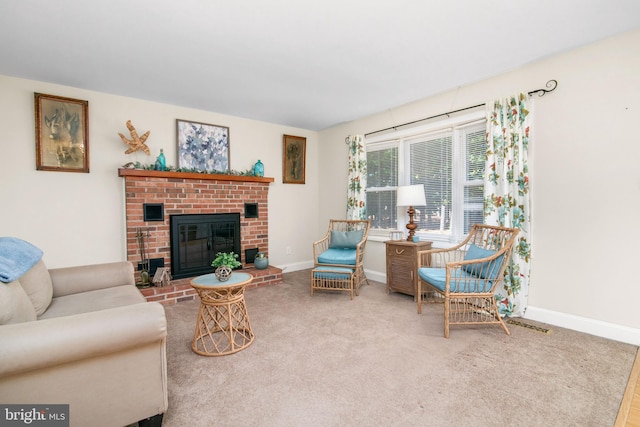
(202, 147)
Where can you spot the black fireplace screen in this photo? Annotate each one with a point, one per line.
(196, 239)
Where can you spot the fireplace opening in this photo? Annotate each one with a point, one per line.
(197, 238)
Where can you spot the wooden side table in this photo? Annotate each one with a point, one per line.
(223, 321)
(402, 265)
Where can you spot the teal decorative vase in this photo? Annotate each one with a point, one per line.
(258, 169)
(161, 162)
(261, 262)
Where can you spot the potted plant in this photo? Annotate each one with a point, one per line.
(225, 262)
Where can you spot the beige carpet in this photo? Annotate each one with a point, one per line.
(327, 360)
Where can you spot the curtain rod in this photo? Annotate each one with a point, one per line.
(550, 87)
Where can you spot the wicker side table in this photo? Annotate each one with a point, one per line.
(223, 325)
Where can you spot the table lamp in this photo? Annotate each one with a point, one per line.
(411, 195)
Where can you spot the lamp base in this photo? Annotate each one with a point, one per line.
(412, 225)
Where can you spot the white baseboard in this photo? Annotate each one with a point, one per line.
(288, 268)
(583, 324)
(376, 276)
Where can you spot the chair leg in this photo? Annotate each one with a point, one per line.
(355, 284)
(364, 276)
(447, 309)
(504, 325)
(419, 297)
(352, 286)
(359, 277)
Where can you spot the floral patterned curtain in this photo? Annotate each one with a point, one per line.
(356, 196)
(506, 195)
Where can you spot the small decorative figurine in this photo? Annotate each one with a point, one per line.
(162, 277)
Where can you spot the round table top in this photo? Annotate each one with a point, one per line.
(210, 280)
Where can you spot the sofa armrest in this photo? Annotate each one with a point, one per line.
(72, 280)
(35, 345)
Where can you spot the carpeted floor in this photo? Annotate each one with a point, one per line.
(327, 360)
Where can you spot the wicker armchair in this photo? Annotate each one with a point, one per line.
(343, 246)
(467, 275)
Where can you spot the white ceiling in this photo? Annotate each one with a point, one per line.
(310, 64)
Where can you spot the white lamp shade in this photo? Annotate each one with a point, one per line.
(411, 195)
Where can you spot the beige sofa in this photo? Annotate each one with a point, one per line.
(86, 337)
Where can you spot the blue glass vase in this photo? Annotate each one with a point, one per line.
(161, 162)
(258, 169)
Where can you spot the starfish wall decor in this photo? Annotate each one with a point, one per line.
(136, 142)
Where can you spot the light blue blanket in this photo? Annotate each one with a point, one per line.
(16, 258)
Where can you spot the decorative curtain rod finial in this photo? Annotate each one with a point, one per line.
(550, 87)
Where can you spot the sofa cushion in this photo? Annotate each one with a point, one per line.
(15, 305)
(332, 273)
(85, 302)
(346, 239)
(37, 284)
(338, 256)
(486, 270)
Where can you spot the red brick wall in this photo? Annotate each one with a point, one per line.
(191, 194)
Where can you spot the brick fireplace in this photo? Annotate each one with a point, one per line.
(180, 193)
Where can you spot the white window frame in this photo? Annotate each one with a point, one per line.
(402, 139)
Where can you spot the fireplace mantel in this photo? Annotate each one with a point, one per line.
(191, 175)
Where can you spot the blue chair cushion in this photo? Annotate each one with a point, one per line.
(346, 239)
(338, 256)
(461, 281)
(486, 270)
(332, 273)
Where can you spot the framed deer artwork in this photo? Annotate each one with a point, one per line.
(62, 134)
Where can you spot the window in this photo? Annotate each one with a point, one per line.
(448, 158)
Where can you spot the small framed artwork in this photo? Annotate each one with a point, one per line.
(202, 147)
(62, 133)
(293, 159)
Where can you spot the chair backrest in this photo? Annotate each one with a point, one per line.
(349, 225)
(491, 237)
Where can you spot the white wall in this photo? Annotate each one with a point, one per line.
(585, 180)
(78, 218)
